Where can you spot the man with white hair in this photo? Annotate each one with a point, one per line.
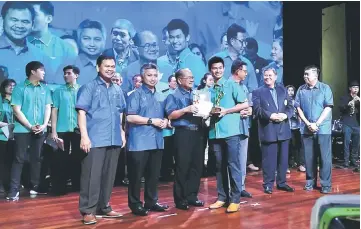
(122, 34)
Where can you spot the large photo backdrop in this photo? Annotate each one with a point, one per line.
(171, 34)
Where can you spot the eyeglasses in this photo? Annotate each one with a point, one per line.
(243, 42)
(147, 46)
(121, 34)
(187, 77)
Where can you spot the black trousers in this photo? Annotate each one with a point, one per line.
(189, 164)
(121, 168)
(67, 164)
(275, 158)
(6, 158)
(23, 141)
(145, 163)
(254, 148)
(98, 170)
(168, 157)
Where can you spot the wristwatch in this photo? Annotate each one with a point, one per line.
(149, 122)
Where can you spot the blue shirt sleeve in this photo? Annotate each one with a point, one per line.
(297, 98)
(328, 97)
(84, 98)
(170, 104)
(123, 103)
(17, 97)
(133, 105)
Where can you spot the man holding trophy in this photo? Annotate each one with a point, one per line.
(229, 99)
(188, 141)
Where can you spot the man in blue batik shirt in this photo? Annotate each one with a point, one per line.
(146, 118)
(100, 105)
(314, 103)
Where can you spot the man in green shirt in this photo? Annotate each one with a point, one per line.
(64, 124)
(31, 101)
(6, 118)
(225, 133)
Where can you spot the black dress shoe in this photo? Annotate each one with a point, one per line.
(182, 206)
(244, 193)
(268, 190)
(286, 188)
(125, 181)
(140, 211)
(196, 203)
(157, 207)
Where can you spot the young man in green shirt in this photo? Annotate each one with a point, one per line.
(225, 133)
(31, 102)
(64, 124)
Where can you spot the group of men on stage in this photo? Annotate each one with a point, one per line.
(91, 117)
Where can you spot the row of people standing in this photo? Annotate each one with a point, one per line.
(100, 97)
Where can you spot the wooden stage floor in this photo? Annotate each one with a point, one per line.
(279, 210)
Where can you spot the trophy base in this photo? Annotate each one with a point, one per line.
(215, 110)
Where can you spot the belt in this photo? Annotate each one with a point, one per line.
(192, 128)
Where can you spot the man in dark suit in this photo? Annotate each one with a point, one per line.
(273, 107)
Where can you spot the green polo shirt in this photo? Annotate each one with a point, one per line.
(6, 115)
(233, 94)
(32, 100)
(64, 99)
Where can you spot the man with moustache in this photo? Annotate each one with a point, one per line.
(273, 108)
(179, 38)
(236, 36)
(225, 132)
(148, 48)
(91, 37)
(314, 103)
(64, 125)
(15, 51)
(31, 101)
(122, 34)
(145, 115)
(100, 105)
(188, 129)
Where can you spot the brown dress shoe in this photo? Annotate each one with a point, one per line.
(217, 204)
(89, 219)
(233, 208)
(112, 214)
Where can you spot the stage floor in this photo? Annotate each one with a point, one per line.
(279, 210)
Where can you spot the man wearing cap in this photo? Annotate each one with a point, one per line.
(349, 108)
(122, 34)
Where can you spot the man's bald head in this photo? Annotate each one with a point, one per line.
(185, 78)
